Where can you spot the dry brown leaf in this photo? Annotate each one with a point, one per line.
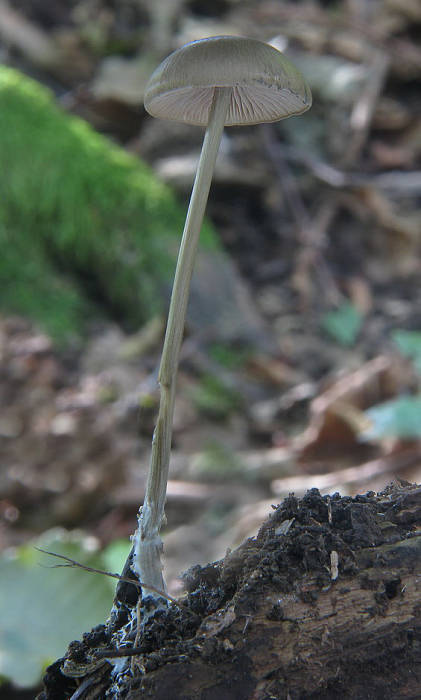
(337, 414)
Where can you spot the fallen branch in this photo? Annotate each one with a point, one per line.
(387, 464)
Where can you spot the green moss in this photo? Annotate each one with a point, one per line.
(215, 399)
(228, 356)
(83, 223)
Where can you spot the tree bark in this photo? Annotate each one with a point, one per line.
(324, 603)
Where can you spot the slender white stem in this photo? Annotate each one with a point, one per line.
(147, 542)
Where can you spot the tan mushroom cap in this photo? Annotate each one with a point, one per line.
(266, 86)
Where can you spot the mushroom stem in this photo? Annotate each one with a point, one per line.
(146, 541)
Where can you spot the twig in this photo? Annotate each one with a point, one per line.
(393, 180)
(20, 33)
(290, 189)
(119, 653)
(363, 111)
(345, 477)
(312, 231)
(139, 584)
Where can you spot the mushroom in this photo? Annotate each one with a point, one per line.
(215, 82)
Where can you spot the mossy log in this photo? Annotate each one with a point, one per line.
(85, 226)
(323, 603)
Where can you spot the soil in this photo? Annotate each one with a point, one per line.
(322, 603)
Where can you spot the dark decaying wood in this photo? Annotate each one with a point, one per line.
(323, 603)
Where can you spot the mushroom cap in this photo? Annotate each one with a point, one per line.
(266, 86)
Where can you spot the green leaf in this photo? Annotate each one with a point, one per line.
(343, 324)
(409, 344)
(42, 608)
(114, 556)
(399, 418)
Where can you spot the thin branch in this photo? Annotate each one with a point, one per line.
(350, 475)
(363, 111)
(393, 180)
(72, 563)
(119, 653)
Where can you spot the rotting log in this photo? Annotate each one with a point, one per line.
(323, 603)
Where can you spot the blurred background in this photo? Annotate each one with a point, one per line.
(302, 359)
